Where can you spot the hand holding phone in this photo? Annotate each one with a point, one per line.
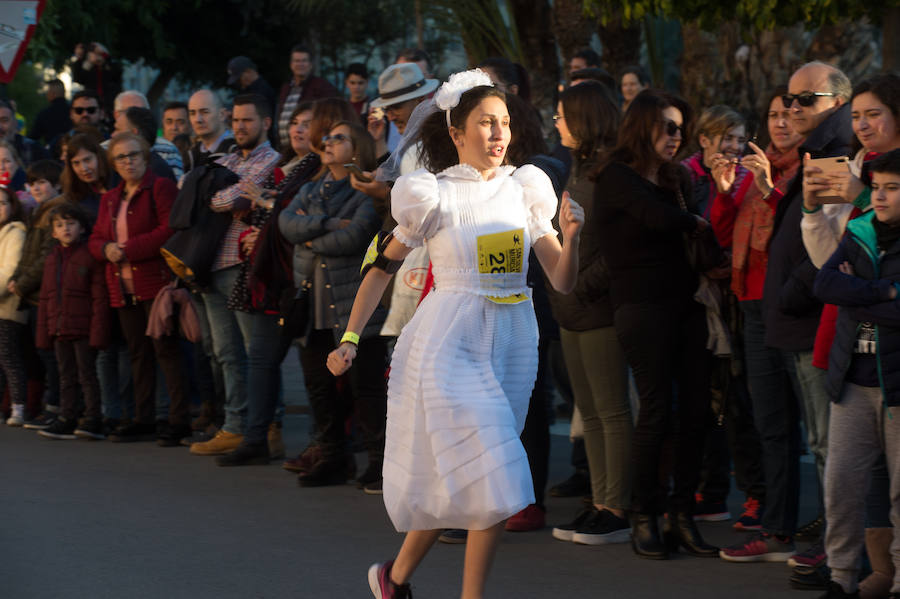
(358, 173)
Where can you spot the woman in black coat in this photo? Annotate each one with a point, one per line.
(640, 226)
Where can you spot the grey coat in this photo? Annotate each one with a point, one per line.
(337, 250)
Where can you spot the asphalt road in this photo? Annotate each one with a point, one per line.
(133, 521)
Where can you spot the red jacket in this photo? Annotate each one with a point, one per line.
(73, 303)
(148, 230)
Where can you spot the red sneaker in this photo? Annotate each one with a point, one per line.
(750, 519)
(531, 518)
(381, 585)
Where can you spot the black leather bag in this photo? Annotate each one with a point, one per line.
(701, 247)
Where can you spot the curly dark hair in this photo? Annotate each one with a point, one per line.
(438, 151)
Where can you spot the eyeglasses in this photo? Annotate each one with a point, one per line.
(83, 109)
(337, 138)
(126, 158)
(804, 98)
(672, 128)
(558, 117)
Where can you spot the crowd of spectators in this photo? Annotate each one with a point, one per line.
(158, 262)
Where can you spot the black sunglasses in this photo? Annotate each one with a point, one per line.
(83, 109)
(804, 98)
(672, 128)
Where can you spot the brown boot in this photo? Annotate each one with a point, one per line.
(221, 444)
(877, 585)
(276, 443)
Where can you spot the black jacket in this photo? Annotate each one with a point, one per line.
(790, 309)
(197, 157)
(589, 306)
(51, 122)
(639, 227)
(192, 250)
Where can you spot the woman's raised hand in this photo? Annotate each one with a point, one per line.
(758, 164)
(340, 360)
(571, 217)
(723, 172)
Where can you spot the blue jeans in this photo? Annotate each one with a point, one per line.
(208, 372)
(777, 416)
(262, 334)
(228, 347)
(114, 374)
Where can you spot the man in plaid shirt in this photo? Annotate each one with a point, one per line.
(231, 331)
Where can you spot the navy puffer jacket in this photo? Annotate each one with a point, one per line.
(339, 223)
(863, 297)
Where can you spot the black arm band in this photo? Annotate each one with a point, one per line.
(375, 256)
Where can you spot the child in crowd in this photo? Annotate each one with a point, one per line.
(12, 320)
(43, 184)
(73, 318)
(862, 277)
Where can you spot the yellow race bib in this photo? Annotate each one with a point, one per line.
(502, 253)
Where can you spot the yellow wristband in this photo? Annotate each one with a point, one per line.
(350, 338)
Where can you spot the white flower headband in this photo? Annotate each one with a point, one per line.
(447, 97)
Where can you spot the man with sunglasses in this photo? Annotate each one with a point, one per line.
(85, 109)
(818, 98)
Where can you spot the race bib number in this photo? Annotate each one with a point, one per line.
(502, 253)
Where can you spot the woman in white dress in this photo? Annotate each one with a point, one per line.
(464, 366)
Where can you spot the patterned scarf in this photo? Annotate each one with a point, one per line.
(755, 220)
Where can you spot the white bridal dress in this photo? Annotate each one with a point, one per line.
(464, 366)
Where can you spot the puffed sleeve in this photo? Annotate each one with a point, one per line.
(540, 200)
(414, 205)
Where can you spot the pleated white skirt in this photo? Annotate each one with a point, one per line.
(461, 378)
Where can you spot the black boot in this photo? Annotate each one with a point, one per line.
(326, 472)
(246, 454)
(681, 530)
(645, 537)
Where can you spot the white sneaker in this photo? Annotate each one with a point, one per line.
(18, 415)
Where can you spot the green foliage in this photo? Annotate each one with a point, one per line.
(482, 26)
(758, 14)
(26, 88)
(190, 38)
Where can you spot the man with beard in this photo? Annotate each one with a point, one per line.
(232, 331)
(85, 109)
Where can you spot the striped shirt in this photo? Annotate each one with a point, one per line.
(255, 167)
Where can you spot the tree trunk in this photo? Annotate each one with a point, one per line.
(890, 40)
(572, 28)
(621, 45)
(420, 26)
(538, 48)
(159, 84)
